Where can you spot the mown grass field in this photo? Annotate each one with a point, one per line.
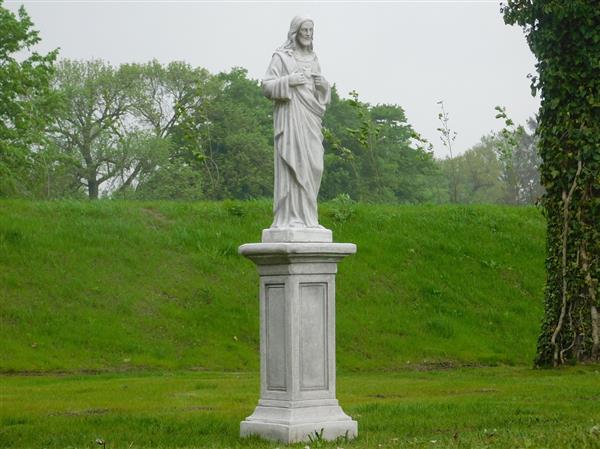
(137, 324)
(501, 407)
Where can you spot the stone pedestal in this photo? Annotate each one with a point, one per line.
(295, 235)
(297, 342)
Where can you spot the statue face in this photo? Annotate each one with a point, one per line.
(304, 37)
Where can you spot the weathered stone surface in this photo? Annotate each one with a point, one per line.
(297, 342)
(300, 95)
(298, 235)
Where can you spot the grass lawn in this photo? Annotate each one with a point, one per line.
(496, 407)
(154, 297)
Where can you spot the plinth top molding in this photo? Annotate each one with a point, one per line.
(291, 253)
(304, 248)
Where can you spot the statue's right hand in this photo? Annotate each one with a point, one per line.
(296, 79)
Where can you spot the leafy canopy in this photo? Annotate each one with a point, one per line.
(26, 101)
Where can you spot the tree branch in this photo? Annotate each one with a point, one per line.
(565, 235)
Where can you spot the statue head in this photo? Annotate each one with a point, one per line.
(300, 34)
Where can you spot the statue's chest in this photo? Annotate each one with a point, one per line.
(308, 68)
(305, 65)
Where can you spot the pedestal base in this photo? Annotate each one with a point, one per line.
(297, 235)
(295, 424)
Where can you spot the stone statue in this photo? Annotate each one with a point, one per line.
(297, 262)
(300, 94)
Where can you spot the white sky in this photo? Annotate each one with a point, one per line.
(410, 53)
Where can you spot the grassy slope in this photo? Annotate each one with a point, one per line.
(119, 285)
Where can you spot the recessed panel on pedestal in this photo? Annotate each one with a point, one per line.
(275, 336)
(313, 336)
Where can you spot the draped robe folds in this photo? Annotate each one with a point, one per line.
(298, 141)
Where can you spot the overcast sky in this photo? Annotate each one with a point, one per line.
(410, 53)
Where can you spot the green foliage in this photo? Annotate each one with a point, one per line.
(475, 175)
(90, 129)
(242, 133)
(342, 208)
(172, 131)
(502, 168)
(114, 285)
(128, 131)
(374, 154)
(171, 180)
(517, 153)
(161, 100)
(26, 102)
(565, 38)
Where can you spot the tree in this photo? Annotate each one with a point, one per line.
(367, 135)
(374, 154)
(565, 38)
(163, 175)
(26, 100)
(407, 168)
(502, 168)
(242, 137)
(527, 163)
(477, 174)
(162, 97)
(517, 152)
(231, 138)
(340, 175)
(447, 136)
(91, 126)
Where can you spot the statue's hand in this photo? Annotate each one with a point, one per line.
(297, 79)
(320, 81)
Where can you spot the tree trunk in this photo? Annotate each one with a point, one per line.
(595, 334)
(92, 185)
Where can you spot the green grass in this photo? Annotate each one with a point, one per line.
(137, 323)
(113, 286)
(501, 407)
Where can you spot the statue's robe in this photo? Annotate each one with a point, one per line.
(297, 118)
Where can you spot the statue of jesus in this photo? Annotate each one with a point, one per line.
(300, 94)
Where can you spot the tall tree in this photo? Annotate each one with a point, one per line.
(407, 166)
(565, 38)
(231, 138)
(162, 98)
(376, 154)
(92, 125)
(341, 174)
(26, 100)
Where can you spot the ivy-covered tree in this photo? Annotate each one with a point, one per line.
(565, 38)
(26, 100)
